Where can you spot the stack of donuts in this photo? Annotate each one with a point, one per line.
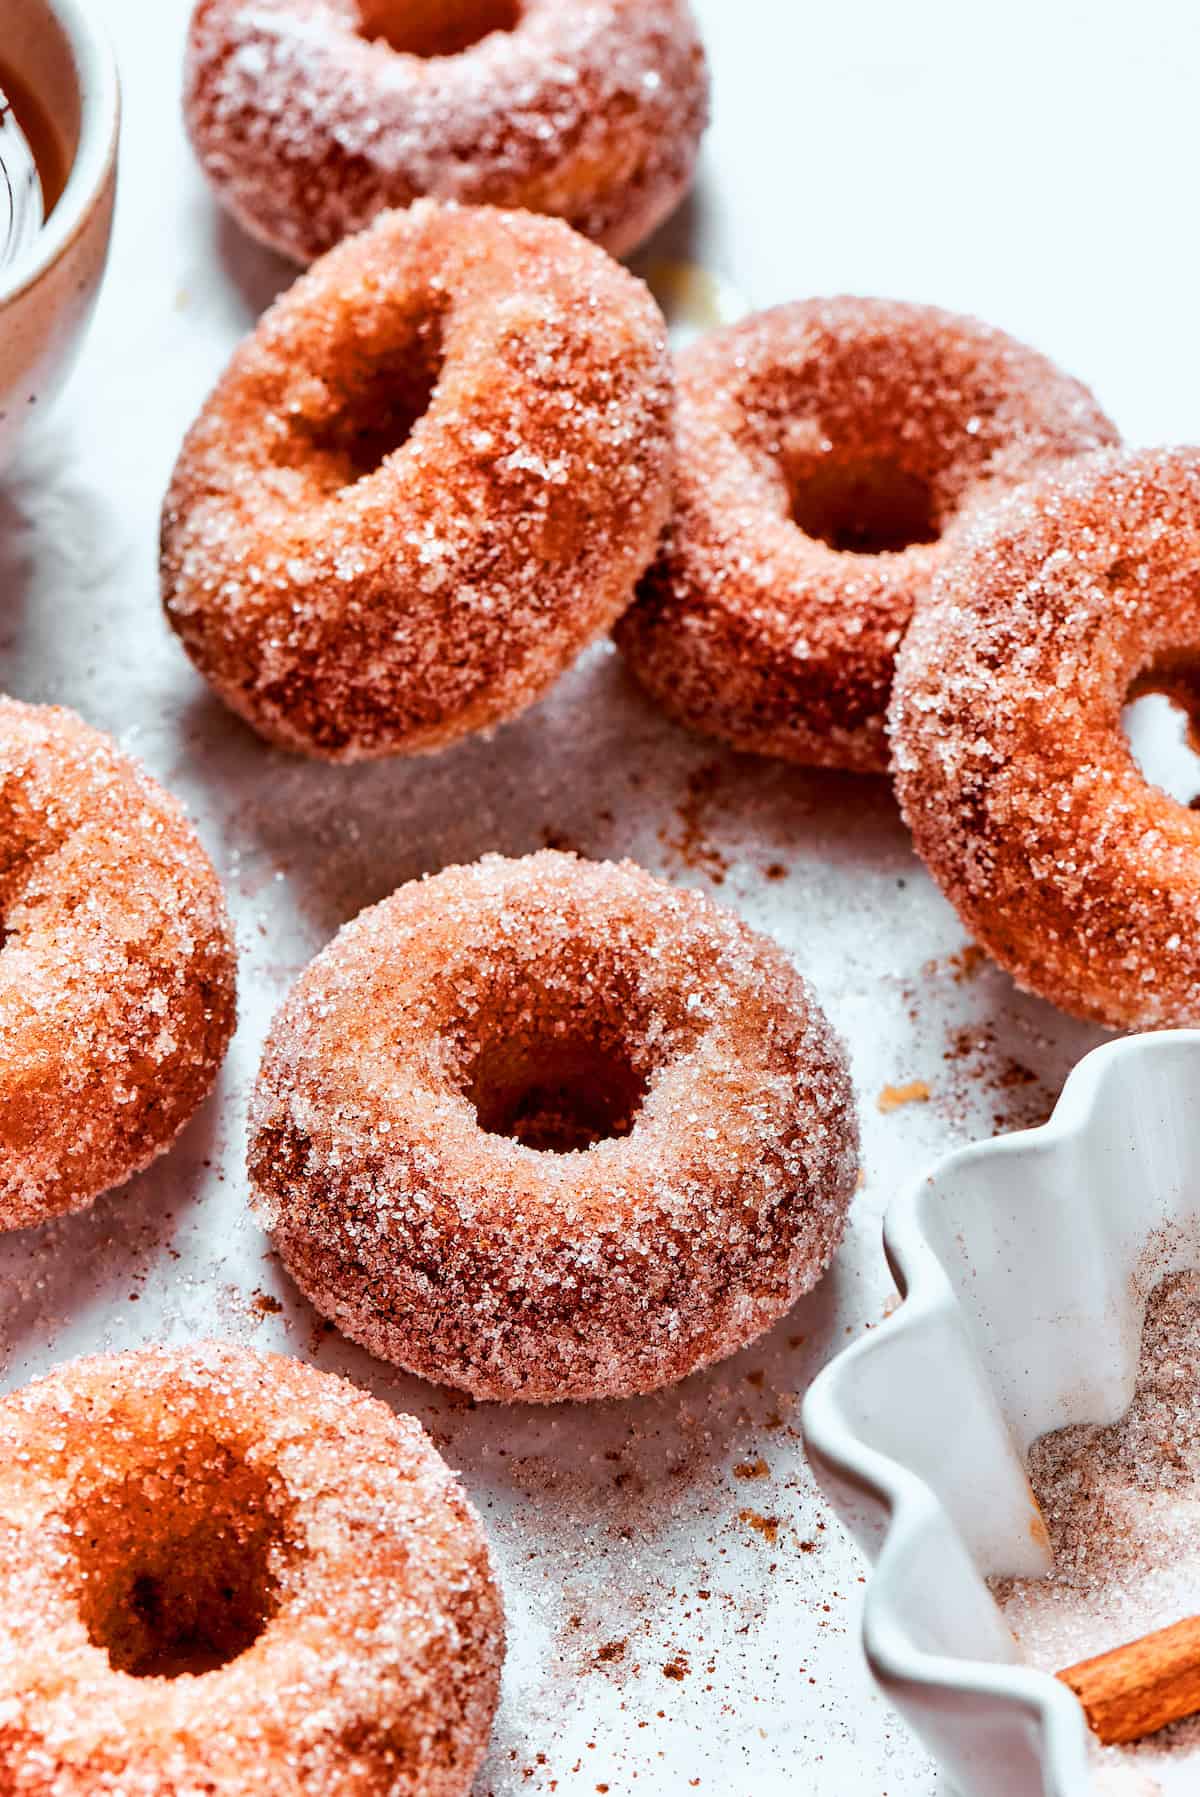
(540, 1129)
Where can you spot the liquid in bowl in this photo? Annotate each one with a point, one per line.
(33, 167)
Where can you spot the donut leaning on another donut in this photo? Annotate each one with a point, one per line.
(1074, 871)
(430, 477)
(117, 966)
(310, 117)
(226, 1572)
(829, 454)
(548, 1129)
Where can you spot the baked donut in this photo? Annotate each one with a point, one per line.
(829, 453)
(117, 967)
(310, 117)
(225, 1572)
(426, 482)
(548, 1128)
(1013, 771)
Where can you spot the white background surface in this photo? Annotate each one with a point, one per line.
(1035, 163)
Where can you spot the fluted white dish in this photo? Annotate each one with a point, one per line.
(1025, 1264)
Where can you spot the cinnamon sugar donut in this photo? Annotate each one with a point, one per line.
(829, 453)
(312, 116)
(117, 966)
(429, 479)
(224, 1572)
(1074, 871)
(549, 1129)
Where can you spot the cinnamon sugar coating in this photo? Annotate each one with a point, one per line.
(547, 1129)
(117, 966)
(429, 478)
(225, 1572)
(310, 117)
(829, 454)
(1012, 767)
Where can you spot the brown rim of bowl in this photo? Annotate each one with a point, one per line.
(91, 167)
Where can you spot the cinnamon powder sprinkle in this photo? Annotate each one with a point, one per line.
(766, 1526)
(892, 1098)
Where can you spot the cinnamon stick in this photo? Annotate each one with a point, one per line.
(1137, 1689)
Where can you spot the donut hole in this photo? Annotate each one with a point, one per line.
(1161, 720)
(378, 414)
(865, 505)
(435, 27)
(179, 1563)
(560, 1093)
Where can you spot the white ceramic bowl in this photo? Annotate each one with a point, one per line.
(1026, 1263)
(47, 295)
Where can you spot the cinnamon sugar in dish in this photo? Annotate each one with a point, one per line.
(1122, 1505)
